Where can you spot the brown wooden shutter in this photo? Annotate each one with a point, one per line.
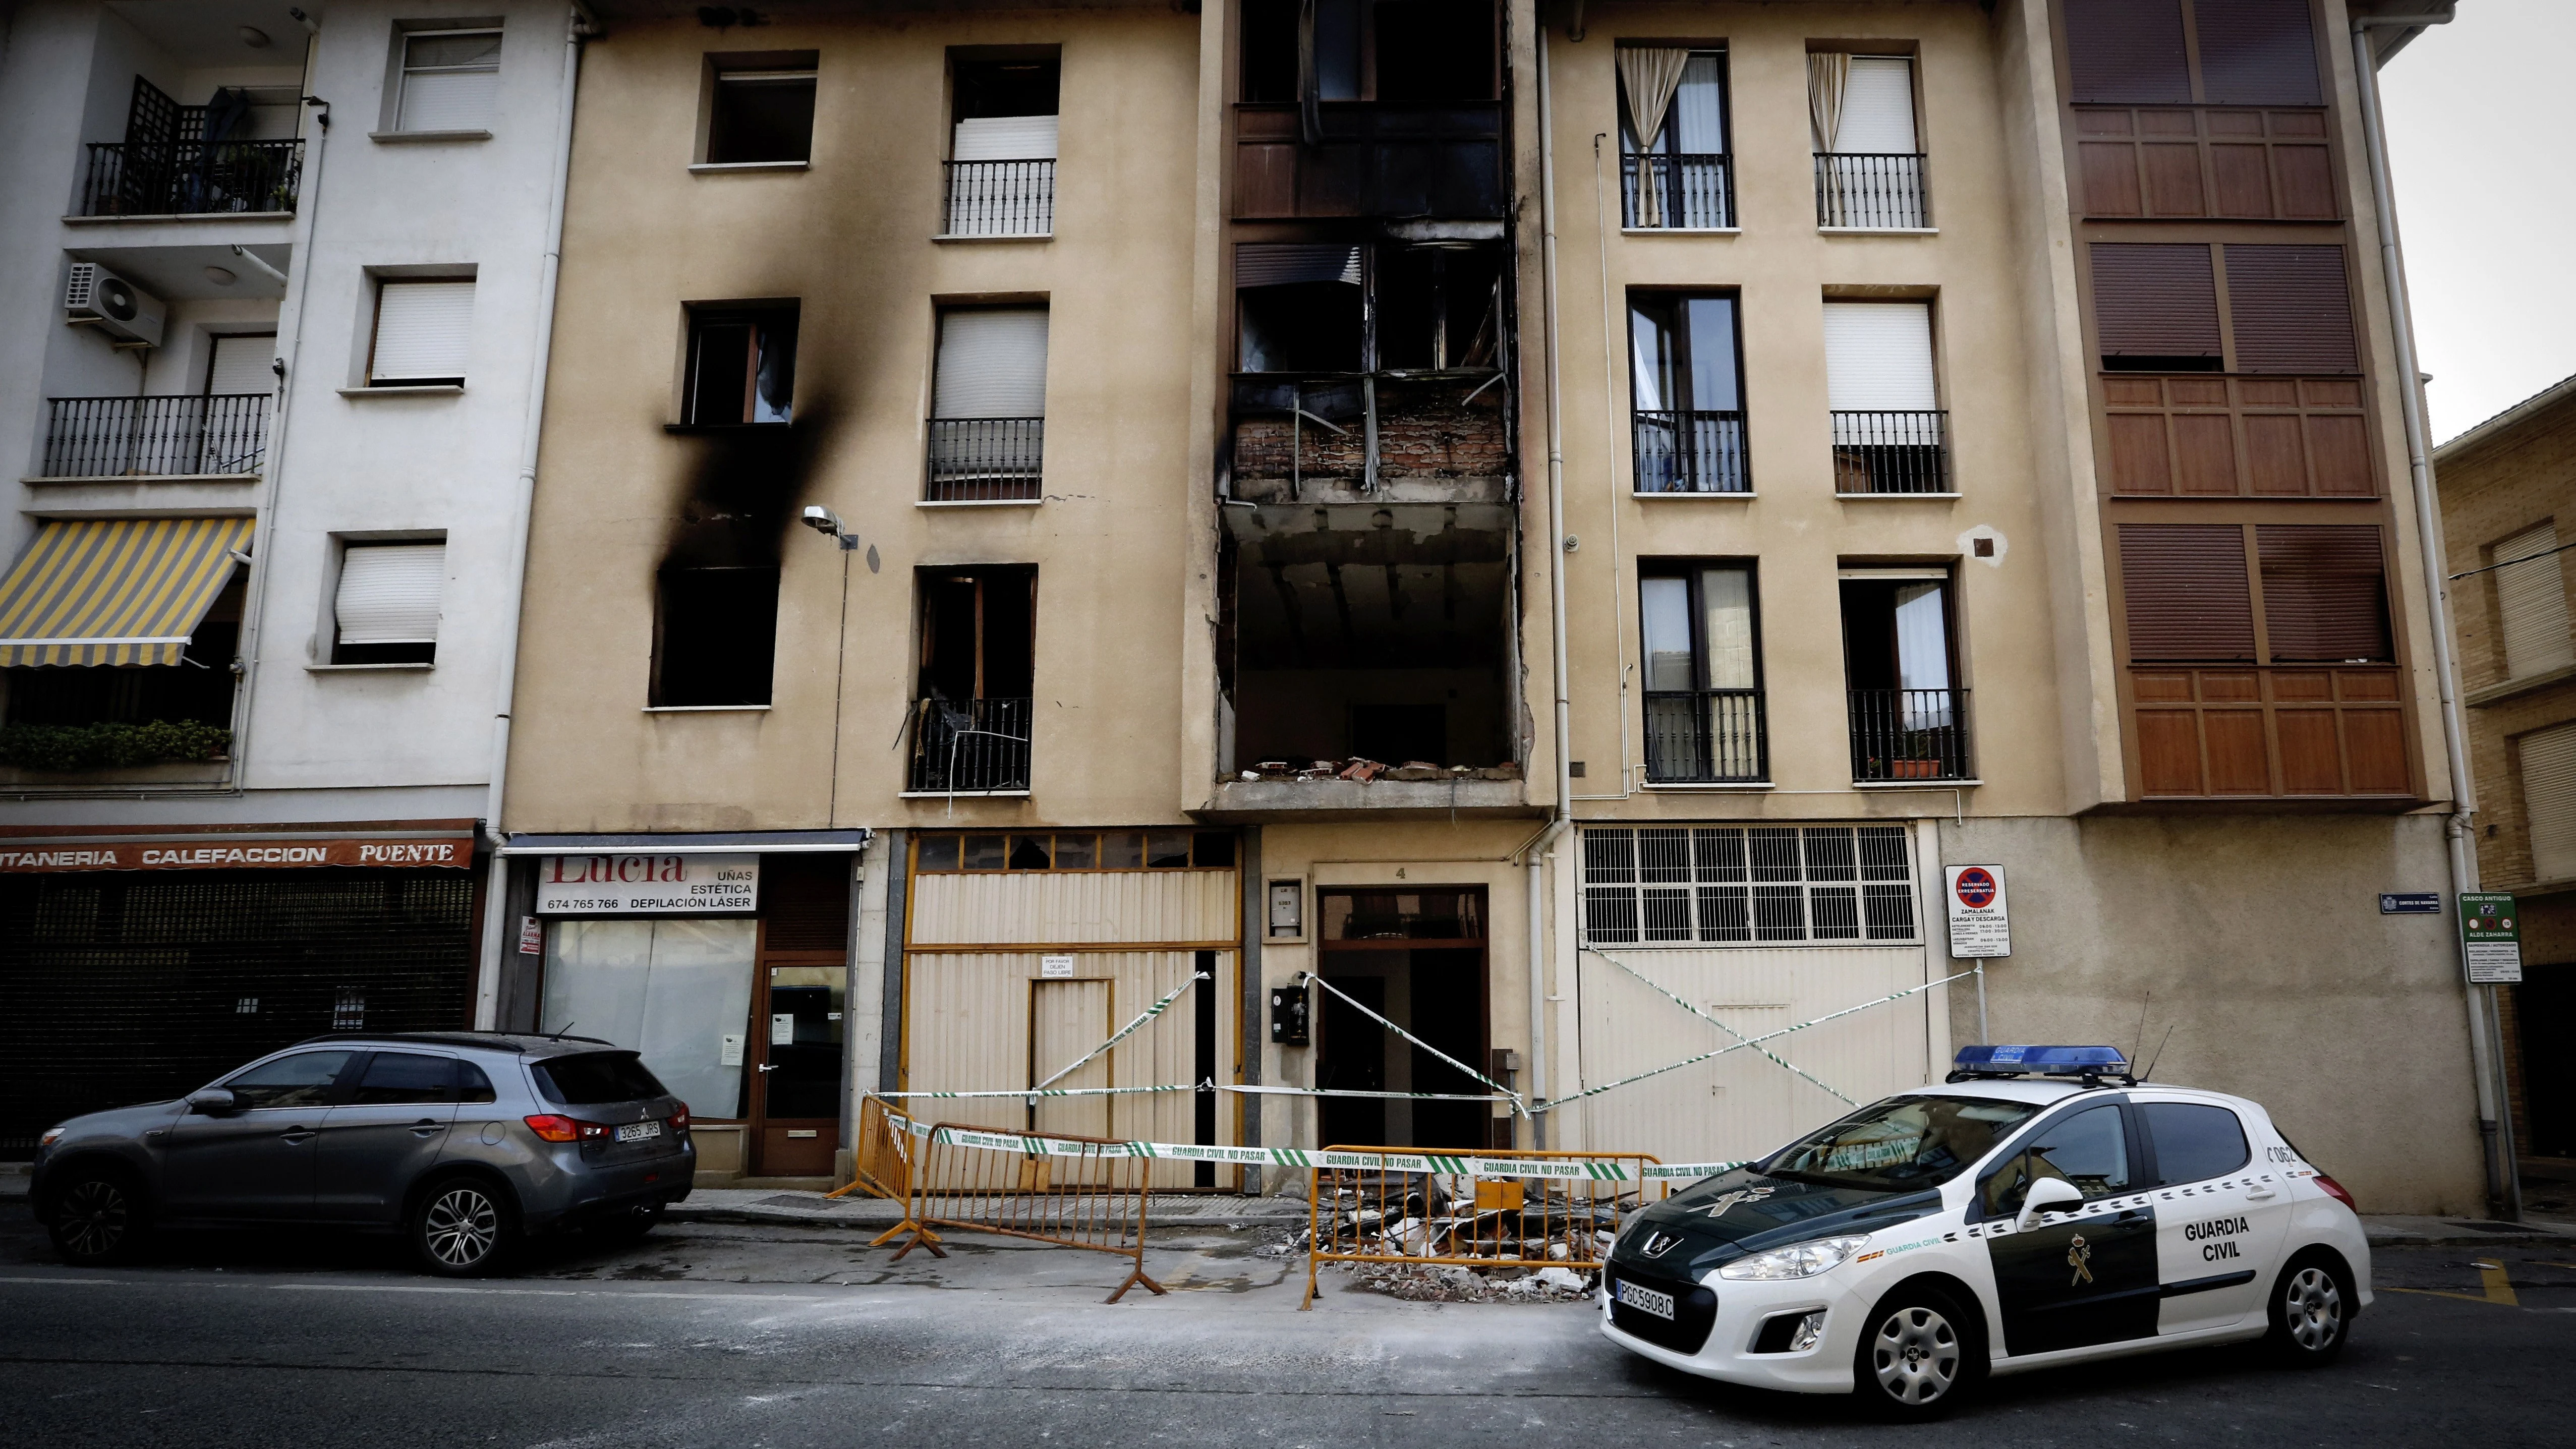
(2186, 589)
(2292, 309)
(805, 902)
(2127, 52)
(2257, 53)
(2325, 596)
(2155, 299)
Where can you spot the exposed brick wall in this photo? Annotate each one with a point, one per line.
(1423, 432)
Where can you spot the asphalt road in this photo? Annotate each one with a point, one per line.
(742, 1336)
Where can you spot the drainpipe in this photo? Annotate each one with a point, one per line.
(578, 27)
(2495, 1121)
(1539, 851)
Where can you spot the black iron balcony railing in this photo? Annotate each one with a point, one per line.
(1870, 192)
(970, 745)
(986, 460)
(1910, 734)
(1679, 192)
(190, 178)
(110, 437)
(1891, 452)
(1706, 736)
(1691, 452)
(1000, 198)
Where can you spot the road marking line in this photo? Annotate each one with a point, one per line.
(2499, 1288)
(60, 1280)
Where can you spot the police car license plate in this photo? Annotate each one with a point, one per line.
(1646, 1300)
(647, 1131)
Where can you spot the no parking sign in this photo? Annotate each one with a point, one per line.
(1980, 925)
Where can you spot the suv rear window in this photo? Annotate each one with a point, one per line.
(595, 1077)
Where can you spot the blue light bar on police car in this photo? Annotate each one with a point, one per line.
(2045, 1061)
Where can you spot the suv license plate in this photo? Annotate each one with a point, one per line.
(1646, 1300)
(647, 1131)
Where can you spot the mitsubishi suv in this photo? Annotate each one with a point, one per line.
(465, 1142)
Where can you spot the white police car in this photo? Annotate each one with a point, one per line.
(2042, 1208)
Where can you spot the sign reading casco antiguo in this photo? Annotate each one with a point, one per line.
(647, 885)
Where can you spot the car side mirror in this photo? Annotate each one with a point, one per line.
(214, 1102)
(2049, 1194)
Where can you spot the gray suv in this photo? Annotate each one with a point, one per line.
(463, 1141)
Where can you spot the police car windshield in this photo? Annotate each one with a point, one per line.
(1902, 1145)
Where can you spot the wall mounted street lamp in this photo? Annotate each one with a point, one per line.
(827, 523)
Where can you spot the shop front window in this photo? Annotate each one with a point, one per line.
(678, 992)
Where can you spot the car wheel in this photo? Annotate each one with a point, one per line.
(1919, 1353)
(627, 1225)
(461, 1227)
(2311, 1312)
(97, 1218)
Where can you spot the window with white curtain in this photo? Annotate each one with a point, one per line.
(2548, 759)
(1703, 675)
(1869, 163)
(2531, 602)
(386, 608)
(676, 991)
(422, 328)
(1901, 664)
(450, 80)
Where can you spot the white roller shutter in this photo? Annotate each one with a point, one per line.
(389, 593)
(1006, 138)
(450, 81)
(1878, 357)
(992, 364)
(2549, 800)
(241, 364)
(421, 331)
(1878, 107)
(1272, 264)
(2531, 603)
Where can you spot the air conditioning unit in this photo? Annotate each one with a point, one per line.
(120, 308)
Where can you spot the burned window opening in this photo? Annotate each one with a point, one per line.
(1370, 50)
(715, 636)
(742, 365)
(978, 669)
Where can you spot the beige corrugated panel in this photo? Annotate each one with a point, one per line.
(2549, 799)
(968, 1019)
(1073, 907)
(1743, 1105)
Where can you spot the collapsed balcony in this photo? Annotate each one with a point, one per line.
(1365, 661)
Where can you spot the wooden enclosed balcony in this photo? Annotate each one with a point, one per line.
(2161, 161)
(2220, 435)
(2270, 732)
(1392, 159)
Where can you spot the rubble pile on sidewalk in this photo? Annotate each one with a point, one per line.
(1363, 770)
(1525, 1251)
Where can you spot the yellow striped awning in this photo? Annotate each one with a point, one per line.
(115, 590)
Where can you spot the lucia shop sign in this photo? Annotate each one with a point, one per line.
(647, 885)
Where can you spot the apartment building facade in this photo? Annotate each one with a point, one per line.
(1534, 536)
(2505, 485)
(264, 384)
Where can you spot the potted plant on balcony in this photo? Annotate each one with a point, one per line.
(1918, 757)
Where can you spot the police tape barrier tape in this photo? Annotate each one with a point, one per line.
(1782, 1062)
(1447, 1164)
(1518, 1105)
(1124, 1032)
(1035, 1092)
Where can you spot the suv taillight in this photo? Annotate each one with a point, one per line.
(2336, 1191)
(680, 1119)
(554, 1127)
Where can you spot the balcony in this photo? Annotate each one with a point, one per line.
(2280, 730)
(1909, 734)
(225, 434)
(1340, 437)
(1706, 737)
(1000, 198)
(986, 460)
(1676, 193)
(1892, 452)
(2153, 161)
(2220, 435)
(1371, 158)
(190, 178)
(970, 747)
(1863, 192)
(1691, 452)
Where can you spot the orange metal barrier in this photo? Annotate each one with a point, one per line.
(881, 1161)
(1051, 1187)
(1406, 1205)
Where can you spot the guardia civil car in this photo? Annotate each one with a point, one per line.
(2042, 1207)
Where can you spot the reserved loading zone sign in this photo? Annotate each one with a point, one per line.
(1980, 922)
(2490, 938)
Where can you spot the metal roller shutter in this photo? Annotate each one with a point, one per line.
(2256, 53)
(421, 331)
(992, 364)
(241, 364)
(2127, 52)
(1878, 357)
(389, 593)
(2292, 309)
(2531, 603)
(2549, 799)
(1878, 107)
(1006, 138)
(124, 987)
(2155, 299)
(2325, 596)
(2186, 590)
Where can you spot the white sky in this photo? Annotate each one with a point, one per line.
(2482, 143)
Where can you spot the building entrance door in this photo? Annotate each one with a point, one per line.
(1417, 958)
(798, 1028)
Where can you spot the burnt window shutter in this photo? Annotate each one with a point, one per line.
(2127, 52)
(2257, 53)
(2292, 308)
(2155, 299)
(2186, 590)
(2325, 594)
(805, 900)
